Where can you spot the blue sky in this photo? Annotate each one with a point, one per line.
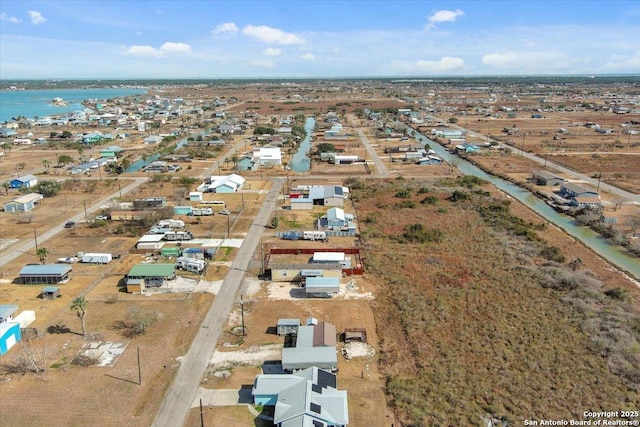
(253, 39)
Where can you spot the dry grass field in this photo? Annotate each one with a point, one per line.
(478, 317)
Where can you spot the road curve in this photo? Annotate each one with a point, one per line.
(183, 391)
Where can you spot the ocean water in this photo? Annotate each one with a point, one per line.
(37, 103)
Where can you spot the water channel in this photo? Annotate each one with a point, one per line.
(140, 163)
(300, 161)
(616, 255)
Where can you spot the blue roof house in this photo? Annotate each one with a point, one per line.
(24, 181)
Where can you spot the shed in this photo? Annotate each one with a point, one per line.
(50, 292)
(23, 203)
(287, 326)
(171, 251)
(44, 274)
(6, 312)
(195, 196)
(323, 287)
(9, 335)
(301, 204)
(24, 181)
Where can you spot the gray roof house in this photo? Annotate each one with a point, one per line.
(315, 346)
(48, 274)
(308, 398)
(23, 203)
(328, 195)
(6, 312)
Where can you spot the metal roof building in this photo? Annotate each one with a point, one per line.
(315, 346)
(142, 276)
(307, 398)
(322, 286)
(44, 274)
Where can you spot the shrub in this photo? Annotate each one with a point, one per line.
(552, 253)
(459, 195)
(405, 204)
(403, 194)
(417, 233)
(429, 200)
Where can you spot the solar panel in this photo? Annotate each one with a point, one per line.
(315, 408)
(317, 423)
(326, 379)
(316, 388)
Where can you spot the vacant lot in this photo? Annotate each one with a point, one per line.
(479, 316)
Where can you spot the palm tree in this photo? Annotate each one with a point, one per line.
(79, 304)
(42, 254)
(46, 163)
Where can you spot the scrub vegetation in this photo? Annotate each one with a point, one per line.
(480, 318)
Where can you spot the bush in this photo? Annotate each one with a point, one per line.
(552, 253)
(429, 200)
(417, 233)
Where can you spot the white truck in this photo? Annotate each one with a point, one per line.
(171, 223)
(191, 264)
(96, 258)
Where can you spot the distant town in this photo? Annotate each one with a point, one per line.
(320, 252)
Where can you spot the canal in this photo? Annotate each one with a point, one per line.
(614, 254)
(301, 161)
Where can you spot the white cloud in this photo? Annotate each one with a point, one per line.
(443, 16)
(226, 28)
(270, 51)
(7, 18)
(271, 35)
(308, 56)
(619, 64)
(166, 49)
(445, 64)
(143, 51)
(170, 47)
(36, 17)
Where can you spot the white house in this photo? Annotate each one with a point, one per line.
(222, 184)
(267, 156)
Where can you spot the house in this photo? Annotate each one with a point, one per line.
(287, 326)
(546, 178)
(92, 138)
(23, 203)
(143, 276)
(9, 335)
(336, 219)
(267, 156)
(113, 151)
(8, 133)
(222, 184)
(24, 181)
(293, 272)
(153, 139)
(467, 148)
(7, 312)
(308, 398)
(429, 160)
(569, 190)
(315, 345)
(49, 274)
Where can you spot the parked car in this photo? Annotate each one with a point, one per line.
(101, 218)
(225, 212)
(70, 224)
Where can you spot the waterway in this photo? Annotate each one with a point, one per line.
(140, 163)
(614, 254)
(38, 103)
(301, 161)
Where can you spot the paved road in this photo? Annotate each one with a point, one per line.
(184, 389)
(381, 169)
(30, 245)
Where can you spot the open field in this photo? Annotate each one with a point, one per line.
(470, 320)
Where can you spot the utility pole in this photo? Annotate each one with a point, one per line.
(139, 370)
(86, 217)
(120, 190)
(599, 178)
(35, 238)
(242, 314)
(228, 225)
(522, 149)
